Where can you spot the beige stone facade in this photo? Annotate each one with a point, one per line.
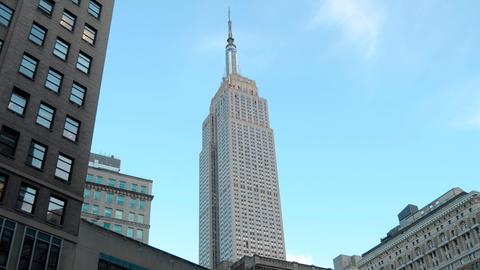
(240, 210)
(444, 235)
(117, 201)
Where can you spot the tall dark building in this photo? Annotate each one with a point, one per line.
(52, 55)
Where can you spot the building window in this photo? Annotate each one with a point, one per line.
(68, 20)
(83, 62)
(18, 101)
(54, 80)
(130, 232)
(117, 228)
(120, 200)
(46, 6)
(89, 34)
(8, 141)
(139, 234)
(131, 217)
(142, 204)
(37, 34)
(61, 49)
(94, 9)
(39, 251)
(55, 212)
(85, 207)
(140, 219)
(90, 178)
(122, 185)
(134, 187)
(106, 225)
(64, 167)
(76, 2)
(133, 203)
(118, 214)
(36, 155)
(99, 180)
(96, 195)
(108, 212)
(26, 198)
(5, 14)
(95, 209)
(45, 116)
(109, 198)
(70, 131)
(143, 189)
(28, 66)
(86, 194)
(78, 94)
(111, 182)
(7, 229)
(3, 184)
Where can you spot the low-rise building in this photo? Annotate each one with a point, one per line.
(103, 249)
(256, 262)
(117, 201)
(444, 235)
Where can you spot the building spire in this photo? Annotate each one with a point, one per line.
(231, 51)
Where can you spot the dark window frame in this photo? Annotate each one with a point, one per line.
(69, 25)
(69, 172)
(67, 131)
(44, 8)
(9, 143)
(62, 44)
(94, 4)
(21, 198)
(34, 71)
(33, 156)
(37, 40)
(76, 87)
(61, 216)
(31, 255)
(83, 68)
(57, 75)
(22, 94)
(9, 11)
(3, 184)
(91, 30)
(43, 117)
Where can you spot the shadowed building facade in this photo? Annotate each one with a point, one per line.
(52, 55)
(240, 211)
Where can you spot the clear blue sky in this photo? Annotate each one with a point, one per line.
(375, 104)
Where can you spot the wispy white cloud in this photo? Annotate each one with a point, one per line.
(358, 20)
(305, 258)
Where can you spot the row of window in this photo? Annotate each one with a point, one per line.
(29, 64)
(45, 115)
(109, 199)
(26, 200)
(130, 231)
(36, 155)
(111, 213)
(112, 183)
(94, 8)
(39, 250)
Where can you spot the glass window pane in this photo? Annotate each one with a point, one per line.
(78, 94)
(89, 34)
(46, 6)
(45, 115)
(37, 34)
(5, 14)
(94, 9)
(61, 49)
(68, 20)
(54, 80)
(28, 66)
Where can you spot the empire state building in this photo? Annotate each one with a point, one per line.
(240, 211)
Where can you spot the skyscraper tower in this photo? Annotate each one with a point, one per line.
(240, 212)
